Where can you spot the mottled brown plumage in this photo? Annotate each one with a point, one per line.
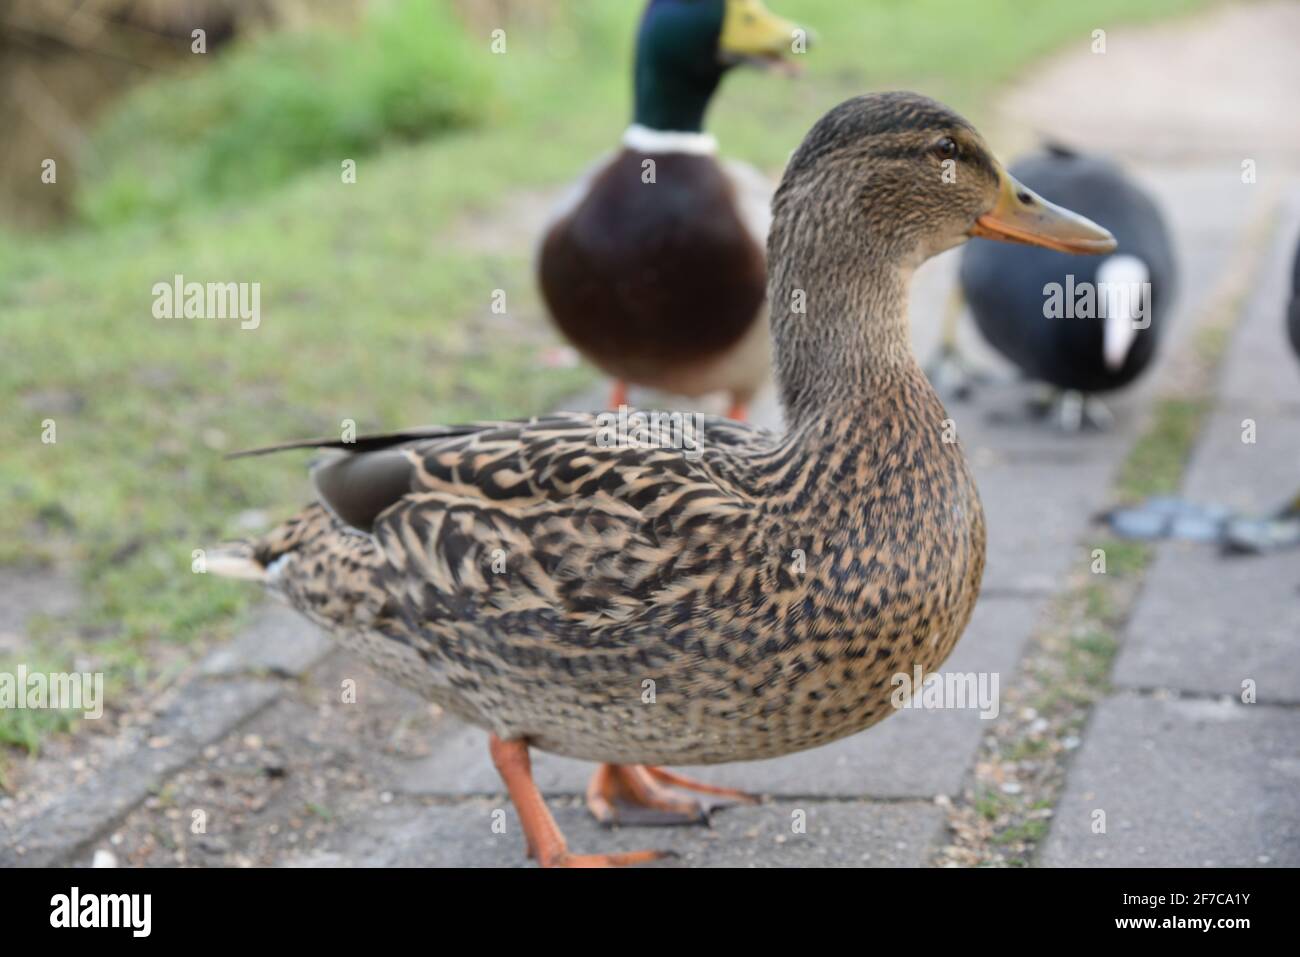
(532, 581)
(622, 567)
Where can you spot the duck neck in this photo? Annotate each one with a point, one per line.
(839, 323)
(672, 101)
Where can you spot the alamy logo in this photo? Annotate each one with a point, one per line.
(939, 691)
(56, 691)
(651, 430)
(179, 299)
(134, 911)
(1089, 300)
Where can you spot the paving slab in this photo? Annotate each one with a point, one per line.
(911, 754)
(278, 641)
(1261, 375)
(856, 834)
(1183, 783)
(1206, 623)
(200, 713)
(1036, 515)
(1249, 477)
(1261, 372)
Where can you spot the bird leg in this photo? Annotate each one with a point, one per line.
(618, 394)
(545, 842)
(666, 794)
(738, 411)
(1072, 411)
(1077, 412)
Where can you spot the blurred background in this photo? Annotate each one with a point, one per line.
(376, 296)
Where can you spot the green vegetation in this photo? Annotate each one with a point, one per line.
(1089, 656)
(319, 810)
(25, 727)
(1156, 465)
(991, 804)
(1124, 557)
(1030, 831)
(282, 104)
(373, 307)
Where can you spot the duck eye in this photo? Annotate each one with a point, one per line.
(946, 148)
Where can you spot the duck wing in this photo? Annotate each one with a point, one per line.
(517, 521)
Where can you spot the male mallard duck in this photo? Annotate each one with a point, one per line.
(1105, 334)
(534, 577)
(656, 272)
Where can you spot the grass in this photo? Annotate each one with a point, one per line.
(1124, 557)
(371, 310)
(25, 728)
(1156, 465)
(283, 103)
(990, 804)
(1028, 832)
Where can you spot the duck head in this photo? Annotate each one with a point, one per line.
(881, 183)
(910, 178)
(684, 47)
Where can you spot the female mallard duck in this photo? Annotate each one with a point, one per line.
(656, 272)
(1126, 295)
(533, 576)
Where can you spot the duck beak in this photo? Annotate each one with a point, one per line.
(1022, 216)
(753, 34)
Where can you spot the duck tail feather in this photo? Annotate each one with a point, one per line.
(268, 558)
(362, 443)
(236, 560)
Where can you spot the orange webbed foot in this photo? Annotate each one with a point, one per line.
(641, 794)
(542, 835)
(739, 411)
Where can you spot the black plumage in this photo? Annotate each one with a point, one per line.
(1004, 285)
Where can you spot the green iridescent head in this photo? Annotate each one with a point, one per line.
(684, 47)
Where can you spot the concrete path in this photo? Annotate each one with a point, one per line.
(282, 767)
(1216, 85)
(1194, 759)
